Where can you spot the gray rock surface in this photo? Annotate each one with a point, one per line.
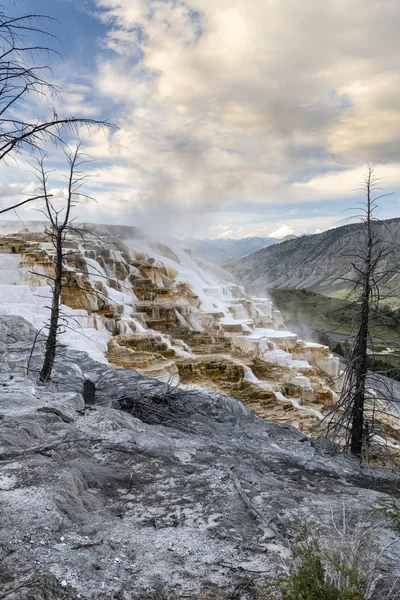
(149, 486)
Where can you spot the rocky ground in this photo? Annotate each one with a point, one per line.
(155, 486)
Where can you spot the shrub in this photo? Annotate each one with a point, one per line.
(342, 562)
(390, 510)
(312, 577)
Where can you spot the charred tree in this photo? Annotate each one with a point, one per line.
(71, 272)
(364, 398)
(51, 342)
(60, 224)
(359, 353)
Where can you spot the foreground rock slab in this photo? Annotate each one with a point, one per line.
(153, 485)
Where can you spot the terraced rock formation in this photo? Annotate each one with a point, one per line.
(136, 303)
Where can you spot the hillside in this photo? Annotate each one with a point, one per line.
(219, 251)
(315, 316)
(184, 477)
(134, 303)
(316, 262)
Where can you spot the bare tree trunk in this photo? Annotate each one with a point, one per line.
(353, 418)
(51, 342)
(59, 226)
(361, 347)
(357, 422)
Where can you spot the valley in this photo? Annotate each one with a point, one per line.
(321, 262)
(136, 303)
(331, 319)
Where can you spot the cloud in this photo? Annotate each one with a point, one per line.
(237, 102)
(231, 106)
(258, 225)
(17, 189)
(282, 231)
(346, 183)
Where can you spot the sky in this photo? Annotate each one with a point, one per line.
(234, 118)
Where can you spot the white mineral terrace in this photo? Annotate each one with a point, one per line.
(254, 326)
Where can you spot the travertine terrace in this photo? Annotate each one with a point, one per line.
(140, 304)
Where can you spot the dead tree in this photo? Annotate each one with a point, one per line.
(60, 224)
(354, 417)
(359, 354)
(24, 74)
(68, 263)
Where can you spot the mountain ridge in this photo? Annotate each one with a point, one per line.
(311, 261)
(221, 250)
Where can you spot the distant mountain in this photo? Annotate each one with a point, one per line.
(317, 262)
(286, 238)
(220, 251)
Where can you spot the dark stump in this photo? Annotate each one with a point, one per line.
(89, 392)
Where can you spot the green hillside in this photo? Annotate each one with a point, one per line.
(331, 320)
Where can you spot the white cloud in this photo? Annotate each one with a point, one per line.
(258, 225)
(346, 183)
(282, 231)
(239, 104)
(17, 189)
(231, 98)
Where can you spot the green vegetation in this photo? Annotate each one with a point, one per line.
(330, 320)
(315, 572)
(390, 509)
(342, 560)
